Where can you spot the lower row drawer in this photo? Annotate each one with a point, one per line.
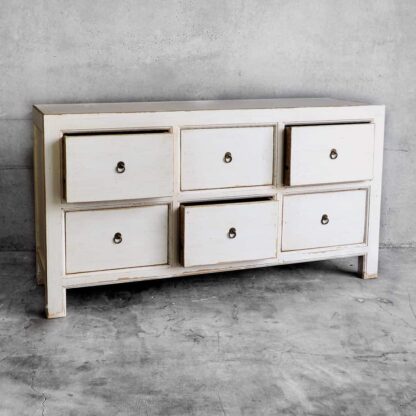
(213, 233)
(228, 232)
(116, 238)
(324, 219)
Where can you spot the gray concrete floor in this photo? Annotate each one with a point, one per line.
(308, 339)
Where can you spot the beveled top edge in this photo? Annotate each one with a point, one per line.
(170, 106)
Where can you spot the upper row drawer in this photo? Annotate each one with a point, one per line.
(118, 166)
(328, 154)
(214, 158)
(107, 167)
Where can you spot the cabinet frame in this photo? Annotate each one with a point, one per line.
(52, 122)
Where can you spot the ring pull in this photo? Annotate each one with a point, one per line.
(121, 167)
(117, 239)
(228, 157)
(232, 233)
(324, 219)
(333, 154)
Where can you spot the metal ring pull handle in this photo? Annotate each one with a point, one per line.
(228, 157)
(324, 219)
(121, 167)
(117, 239)
(333, 154)
(232, 233)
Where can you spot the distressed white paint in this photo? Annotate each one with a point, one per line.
(91, 166)
(310, 147)
(207, 232)
(53, 122)
(90, 241)
(226, 157)
(303, 226)
(199, 106)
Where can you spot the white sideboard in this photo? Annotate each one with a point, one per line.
(138, 191)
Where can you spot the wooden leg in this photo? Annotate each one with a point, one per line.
(40, 275)
(368, 266)
(55, 301)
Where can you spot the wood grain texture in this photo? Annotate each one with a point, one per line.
(204, 152)
(90, 243)
(207, 238)
(309, 148)
(91, 161)
(304, 226)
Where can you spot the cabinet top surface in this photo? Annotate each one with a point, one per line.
(168, 106)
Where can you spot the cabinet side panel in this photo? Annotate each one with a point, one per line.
(54, 230)
(369, 263)
(40, 221)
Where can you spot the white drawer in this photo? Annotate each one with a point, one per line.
(116, 238)
(324, 219)
(118, 166)
(228, 232)
(226, 157)
(329, 154)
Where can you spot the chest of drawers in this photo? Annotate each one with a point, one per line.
(137, 191)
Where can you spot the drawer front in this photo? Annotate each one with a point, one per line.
(226, 157)
(324, 219)
(231, 232)
(328, 154)
(116, 167)
(116, 238)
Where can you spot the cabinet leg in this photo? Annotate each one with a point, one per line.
(40, 277)
(55, 301)
(368, 266)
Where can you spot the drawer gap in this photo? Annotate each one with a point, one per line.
(119, 131)
(337, 123)
(227, 201)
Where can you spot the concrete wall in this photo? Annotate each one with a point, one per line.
(78, 51)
